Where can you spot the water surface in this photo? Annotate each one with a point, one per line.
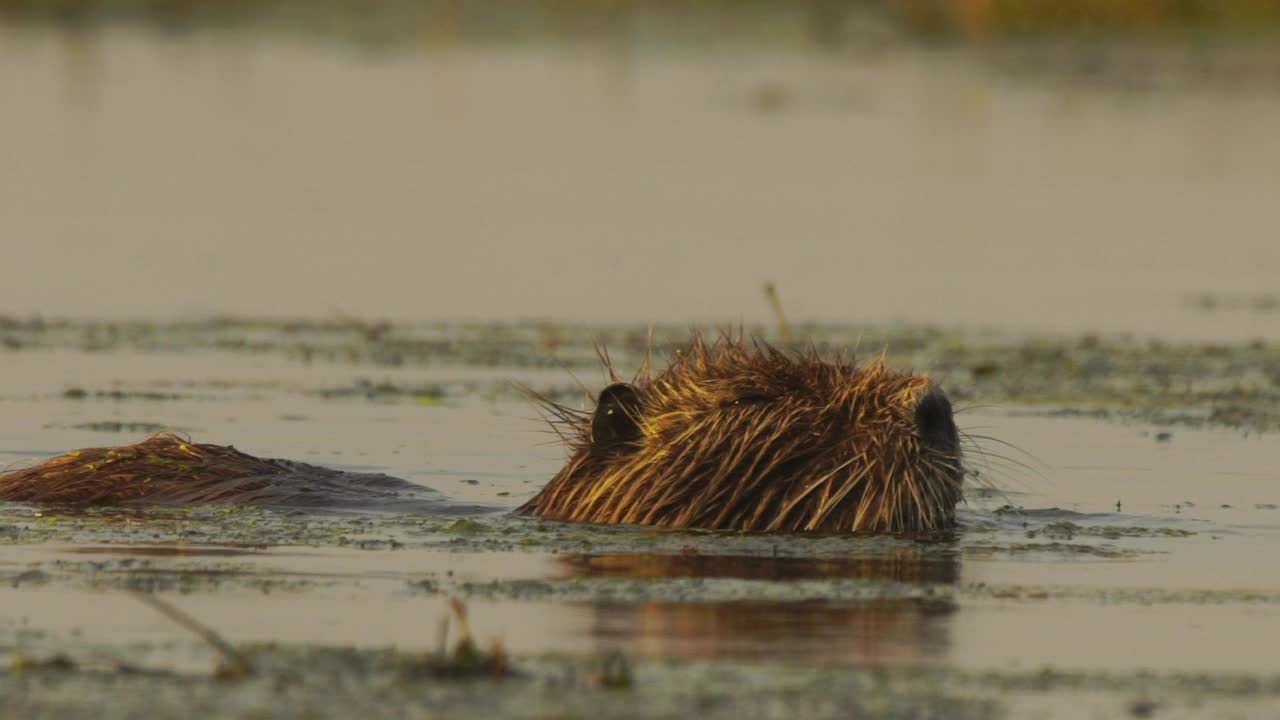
(1102, 560)
(148, 174)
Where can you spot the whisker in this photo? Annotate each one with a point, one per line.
(958, 409)
(1005, 443)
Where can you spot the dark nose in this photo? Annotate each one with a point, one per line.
(935, 421)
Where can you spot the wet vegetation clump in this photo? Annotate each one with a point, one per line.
(465, 660)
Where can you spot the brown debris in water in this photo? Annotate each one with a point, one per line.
(465, 660)
(164, 468)
(232, 665)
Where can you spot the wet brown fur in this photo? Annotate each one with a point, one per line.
(168, 469)
(164, 468)
(743, 436)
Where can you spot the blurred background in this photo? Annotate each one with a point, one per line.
(1041, 165)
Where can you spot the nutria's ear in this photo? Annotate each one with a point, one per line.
(615, 419)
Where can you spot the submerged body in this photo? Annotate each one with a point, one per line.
(742, 436)
(167, 469)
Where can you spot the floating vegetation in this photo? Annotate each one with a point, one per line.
(386, 391)
(1052, 549)
(1105, 377)
(114, 426)
(466, 526)
(1066, 530)
(1254, 303)
(79, 393)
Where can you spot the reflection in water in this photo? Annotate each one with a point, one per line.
(817, 631)
(894, 624)
(906, 565)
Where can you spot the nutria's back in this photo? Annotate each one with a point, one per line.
(743, 436)
(168, 469)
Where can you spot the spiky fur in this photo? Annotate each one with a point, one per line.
(744, 436)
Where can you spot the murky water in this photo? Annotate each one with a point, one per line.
(1189, 548)
(144, 174)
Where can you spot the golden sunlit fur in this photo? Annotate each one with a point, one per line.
(742, 436)
(164, 468)
(167, 469)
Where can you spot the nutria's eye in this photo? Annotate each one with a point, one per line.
(614, 421)
(935, 420)
(748, 399)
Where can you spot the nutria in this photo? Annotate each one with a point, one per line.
(740, 435)
(731, 435)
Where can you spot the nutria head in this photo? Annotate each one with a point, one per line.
(743, 436)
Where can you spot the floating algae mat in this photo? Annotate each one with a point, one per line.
(1115, 554)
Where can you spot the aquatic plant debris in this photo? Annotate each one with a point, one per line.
(1184, 383)
(465, 660)
(234, 665)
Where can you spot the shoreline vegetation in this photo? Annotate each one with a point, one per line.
(817, 24)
